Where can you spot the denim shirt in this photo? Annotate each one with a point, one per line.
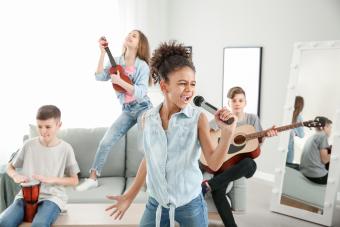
(173, 174)
(140, 78)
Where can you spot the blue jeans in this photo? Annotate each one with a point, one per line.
(118, 129)
(193, 214)
(290, 153)
(46, 214)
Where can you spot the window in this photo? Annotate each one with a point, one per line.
(49, 54)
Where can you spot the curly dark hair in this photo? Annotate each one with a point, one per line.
(167, 58)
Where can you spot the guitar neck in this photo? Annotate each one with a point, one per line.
(112, 60)
(279, 129)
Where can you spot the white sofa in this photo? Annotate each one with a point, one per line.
(118, 173)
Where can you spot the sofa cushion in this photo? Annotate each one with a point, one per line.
(142, 196)
(85, 143)
(107, 186)
(134, 151)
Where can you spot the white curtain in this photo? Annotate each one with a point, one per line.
(48, 55)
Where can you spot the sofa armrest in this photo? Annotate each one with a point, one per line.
(8, 189)
(238, 195)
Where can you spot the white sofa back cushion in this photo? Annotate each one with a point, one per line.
(134, 151)
(85, 143)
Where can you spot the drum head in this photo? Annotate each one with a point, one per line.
(30, 183)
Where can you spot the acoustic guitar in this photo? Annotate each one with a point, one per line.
(245, 143)
(115, 68)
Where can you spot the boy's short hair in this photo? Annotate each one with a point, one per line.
(323, 121)
(48, 112)
(235, 91)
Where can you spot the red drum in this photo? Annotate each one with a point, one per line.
(30, 193)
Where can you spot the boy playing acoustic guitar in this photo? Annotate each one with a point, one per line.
(245, 168)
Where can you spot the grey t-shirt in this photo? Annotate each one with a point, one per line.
(249, 119)
(311, 165)
(57, 161)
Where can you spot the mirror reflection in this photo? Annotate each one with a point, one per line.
(308, 150)
(242, 67)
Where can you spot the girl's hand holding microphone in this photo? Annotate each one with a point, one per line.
(221, 118)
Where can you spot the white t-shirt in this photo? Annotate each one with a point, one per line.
(57, 161)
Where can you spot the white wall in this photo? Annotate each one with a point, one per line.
(211, 25)
(319, 82)
(49, 53)
(150, 16)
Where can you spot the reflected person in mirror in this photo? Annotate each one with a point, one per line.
(315, 155)
(299, 132)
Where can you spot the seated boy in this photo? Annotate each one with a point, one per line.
(49, 160)
(315, 155)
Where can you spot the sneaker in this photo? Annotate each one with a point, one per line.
(87, 184)
(205, 187)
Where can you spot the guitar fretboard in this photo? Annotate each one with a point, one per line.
(112, 60)
(279, 129)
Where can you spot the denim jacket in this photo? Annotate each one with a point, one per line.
(173, 176)
(139, 79)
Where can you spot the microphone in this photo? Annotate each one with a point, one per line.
(199, 101)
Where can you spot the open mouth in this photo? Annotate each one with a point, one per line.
(185, 98)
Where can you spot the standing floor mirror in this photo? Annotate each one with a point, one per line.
(315, 76)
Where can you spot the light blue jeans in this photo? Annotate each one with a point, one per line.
(127, 119)
(290, 153)
(193, 214)
(13, 216)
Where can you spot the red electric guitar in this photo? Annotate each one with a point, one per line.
(246, 144)
(114, 68)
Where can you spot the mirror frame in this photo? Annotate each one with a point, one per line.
(334, 169)
(244, 82)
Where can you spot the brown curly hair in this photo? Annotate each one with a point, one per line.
(167, 58)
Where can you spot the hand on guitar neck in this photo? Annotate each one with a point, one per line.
(117, 72)
(102, 44)
(269, 133)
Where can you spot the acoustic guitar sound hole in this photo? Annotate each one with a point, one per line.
(239, 139)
